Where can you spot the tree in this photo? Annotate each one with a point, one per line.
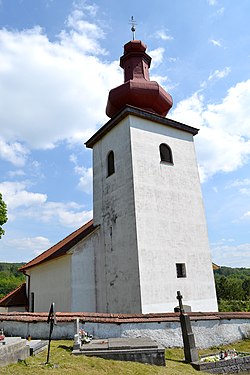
(3, 214)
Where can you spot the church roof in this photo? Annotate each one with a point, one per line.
(16, 297)
(61, 247)
(137, 89)
(130, 110)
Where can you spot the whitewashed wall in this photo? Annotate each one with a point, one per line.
(83, 274)
(51, 282)
(117, 273)
(208, 333)
(171, 225)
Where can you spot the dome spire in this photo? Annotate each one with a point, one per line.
(137, 89)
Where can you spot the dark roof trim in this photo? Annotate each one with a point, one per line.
(129, 110)
(15, 298)
(61, 247)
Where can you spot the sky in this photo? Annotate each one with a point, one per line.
(58, 61)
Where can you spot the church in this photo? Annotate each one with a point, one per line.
(148, 237)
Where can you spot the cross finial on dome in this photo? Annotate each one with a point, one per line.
(132, 23)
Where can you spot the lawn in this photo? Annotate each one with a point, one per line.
(62, 362)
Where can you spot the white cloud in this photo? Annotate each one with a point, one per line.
(86, 175)
(16, 173)
(224, 127)
(14, 152)
(218, 74)
(15, 195)
(162, 34)
(237, 183)
(232, 255)
(23, 203)
(35, 244)
(67, 214)
(242, 185)
(157, 56)
(215, 42)
(212, 2)
(53, 86)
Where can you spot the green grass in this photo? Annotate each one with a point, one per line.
(62, 362)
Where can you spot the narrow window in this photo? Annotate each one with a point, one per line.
(181, 270)
(110, 163)
(166, 153)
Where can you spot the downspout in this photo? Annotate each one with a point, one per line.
(28, 297)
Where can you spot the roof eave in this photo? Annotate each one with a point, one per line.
(130, 110)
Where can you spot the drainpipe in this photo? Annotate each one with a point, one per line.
(28, 276)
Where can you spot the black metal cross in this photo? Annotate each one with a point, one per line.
(51, 320)
(133, 23)
(179, 297)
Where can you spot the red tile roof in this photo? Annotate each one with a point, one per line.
(15, 298)
(61, 247)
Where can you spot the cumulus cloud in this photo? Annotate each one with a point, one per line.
(14, 152)
(223, 127)
(16, 196)
(23, 203)
(53, 86)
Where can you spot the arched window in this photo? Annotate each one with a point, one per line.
(110, 163)
(166, 153)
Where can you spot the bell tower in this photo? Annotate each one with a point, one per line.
(147, 201)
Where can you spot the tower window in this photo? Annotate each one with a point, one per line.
(181, 270)
(110, 163)
(166, 153)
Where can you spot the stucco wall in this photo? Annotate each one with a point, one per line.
(83, 274)
(207, 333)
(51, 282)
(117, 274)
(171, 225)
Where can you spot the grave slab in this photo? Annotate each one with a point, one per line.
(125, 349)
(13, 350)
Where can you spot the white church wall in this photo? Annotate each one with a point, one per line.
(118, 288)
(51, 282)
(171, 226)
(83, 274)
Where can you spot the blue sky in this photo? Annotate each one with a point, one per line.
(58, 61)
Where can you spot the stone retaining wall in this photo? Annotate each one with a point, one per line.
(231, 366)
(210, 329)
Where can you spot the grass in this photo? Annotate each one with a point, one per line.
(62, 362)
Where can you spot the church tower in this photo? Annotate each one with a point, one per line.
(147, 201)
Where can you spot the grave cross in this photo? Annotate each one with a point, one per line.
(179, 297)
(190, 351)
(51, 320)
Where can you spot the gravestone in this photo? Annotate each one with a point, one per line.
(190, 351)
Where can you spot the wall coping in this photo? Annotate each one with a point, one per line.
(28, 317)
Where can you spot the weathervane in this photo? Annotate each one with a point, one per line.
(133, 23)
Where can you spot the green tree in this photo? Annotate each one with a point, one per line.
(3, 215)
(246, 287)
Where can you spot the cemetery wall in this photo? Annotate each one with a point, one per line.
(211, 329)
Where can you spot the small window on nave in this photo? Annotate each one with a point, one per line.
(110, 163)
(166, 153)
